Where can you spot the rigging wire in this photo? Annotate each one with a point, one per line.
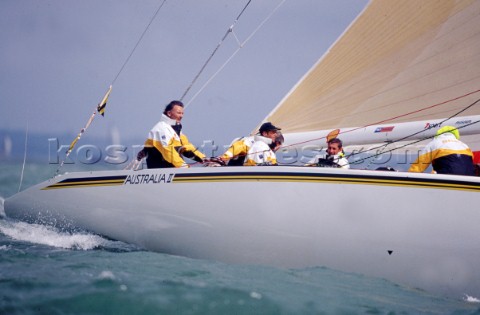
(138, 42)
(240, 46)
(393, 118)
(100, 108)
(230, 30)
(399, 116)
(383, 146)
(24, 159)
(403, 146)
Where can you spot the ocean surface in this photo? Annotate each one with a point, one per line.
(48, 271)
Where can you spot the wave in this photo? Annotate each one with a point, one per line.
(51, 236)
(470, 299)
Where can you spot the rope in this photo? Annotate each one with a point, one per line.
(133, 165)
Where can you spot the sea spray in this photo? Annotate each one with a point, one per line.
(2, 209)
(471, 299)
(47, 235)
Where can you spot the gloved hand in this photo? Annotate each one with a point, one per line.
(213, 161)
(217, 160)
(141, 154)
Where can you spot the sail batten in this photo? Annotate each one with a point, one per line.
(400, 61)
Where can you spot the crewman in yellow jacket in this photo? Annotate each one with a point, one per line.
(166, 143)
(446, 153)
(237, 151)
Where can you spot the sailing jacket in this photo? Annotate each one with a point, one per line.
(447, 156)
(236, 153)
(260, 153)
(164, 146)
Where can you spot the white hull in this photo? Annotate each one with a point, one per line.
(416, 229)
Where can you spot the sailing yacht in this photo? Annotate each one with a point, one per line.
(402, 70)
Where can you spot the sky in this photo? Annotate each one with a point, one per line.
(58, 58)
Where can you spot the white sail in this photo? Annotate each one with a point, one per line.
(399, 61)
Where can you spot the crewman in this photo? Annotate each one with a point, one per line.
(446, 153)
(335, 156)
(166, 143)
(236, 153)
(267, 142)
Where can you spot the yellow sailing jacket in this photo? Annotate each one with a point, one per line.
(239, 147)
(163, 138)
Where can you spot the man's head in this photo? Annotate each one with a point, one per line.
(174, 110)
(449, 129)
(268, 130)
(334, 146)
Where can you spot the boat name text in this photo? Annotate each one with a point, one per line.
(148, 179)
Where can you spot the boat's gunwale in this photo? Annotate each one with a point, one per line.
(272, 174)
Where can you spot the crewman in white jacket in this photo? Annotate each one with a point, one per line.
(262, 152)
(446, 153)
(334, 157)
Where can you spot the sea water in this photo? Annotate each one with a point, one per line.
(44, 270)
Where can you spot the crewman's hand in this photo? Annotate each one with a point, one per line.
(218, 160)
(141, 154)
(213, 161)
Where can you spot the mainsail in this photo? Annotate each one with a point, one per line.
(399, 61)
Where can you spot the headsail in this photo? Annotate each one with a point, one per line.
(399, 61)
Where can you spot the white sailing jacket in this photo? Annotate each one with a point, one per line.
(260, 153)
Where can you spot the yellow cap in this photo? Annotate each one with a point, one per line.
(450, 129)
